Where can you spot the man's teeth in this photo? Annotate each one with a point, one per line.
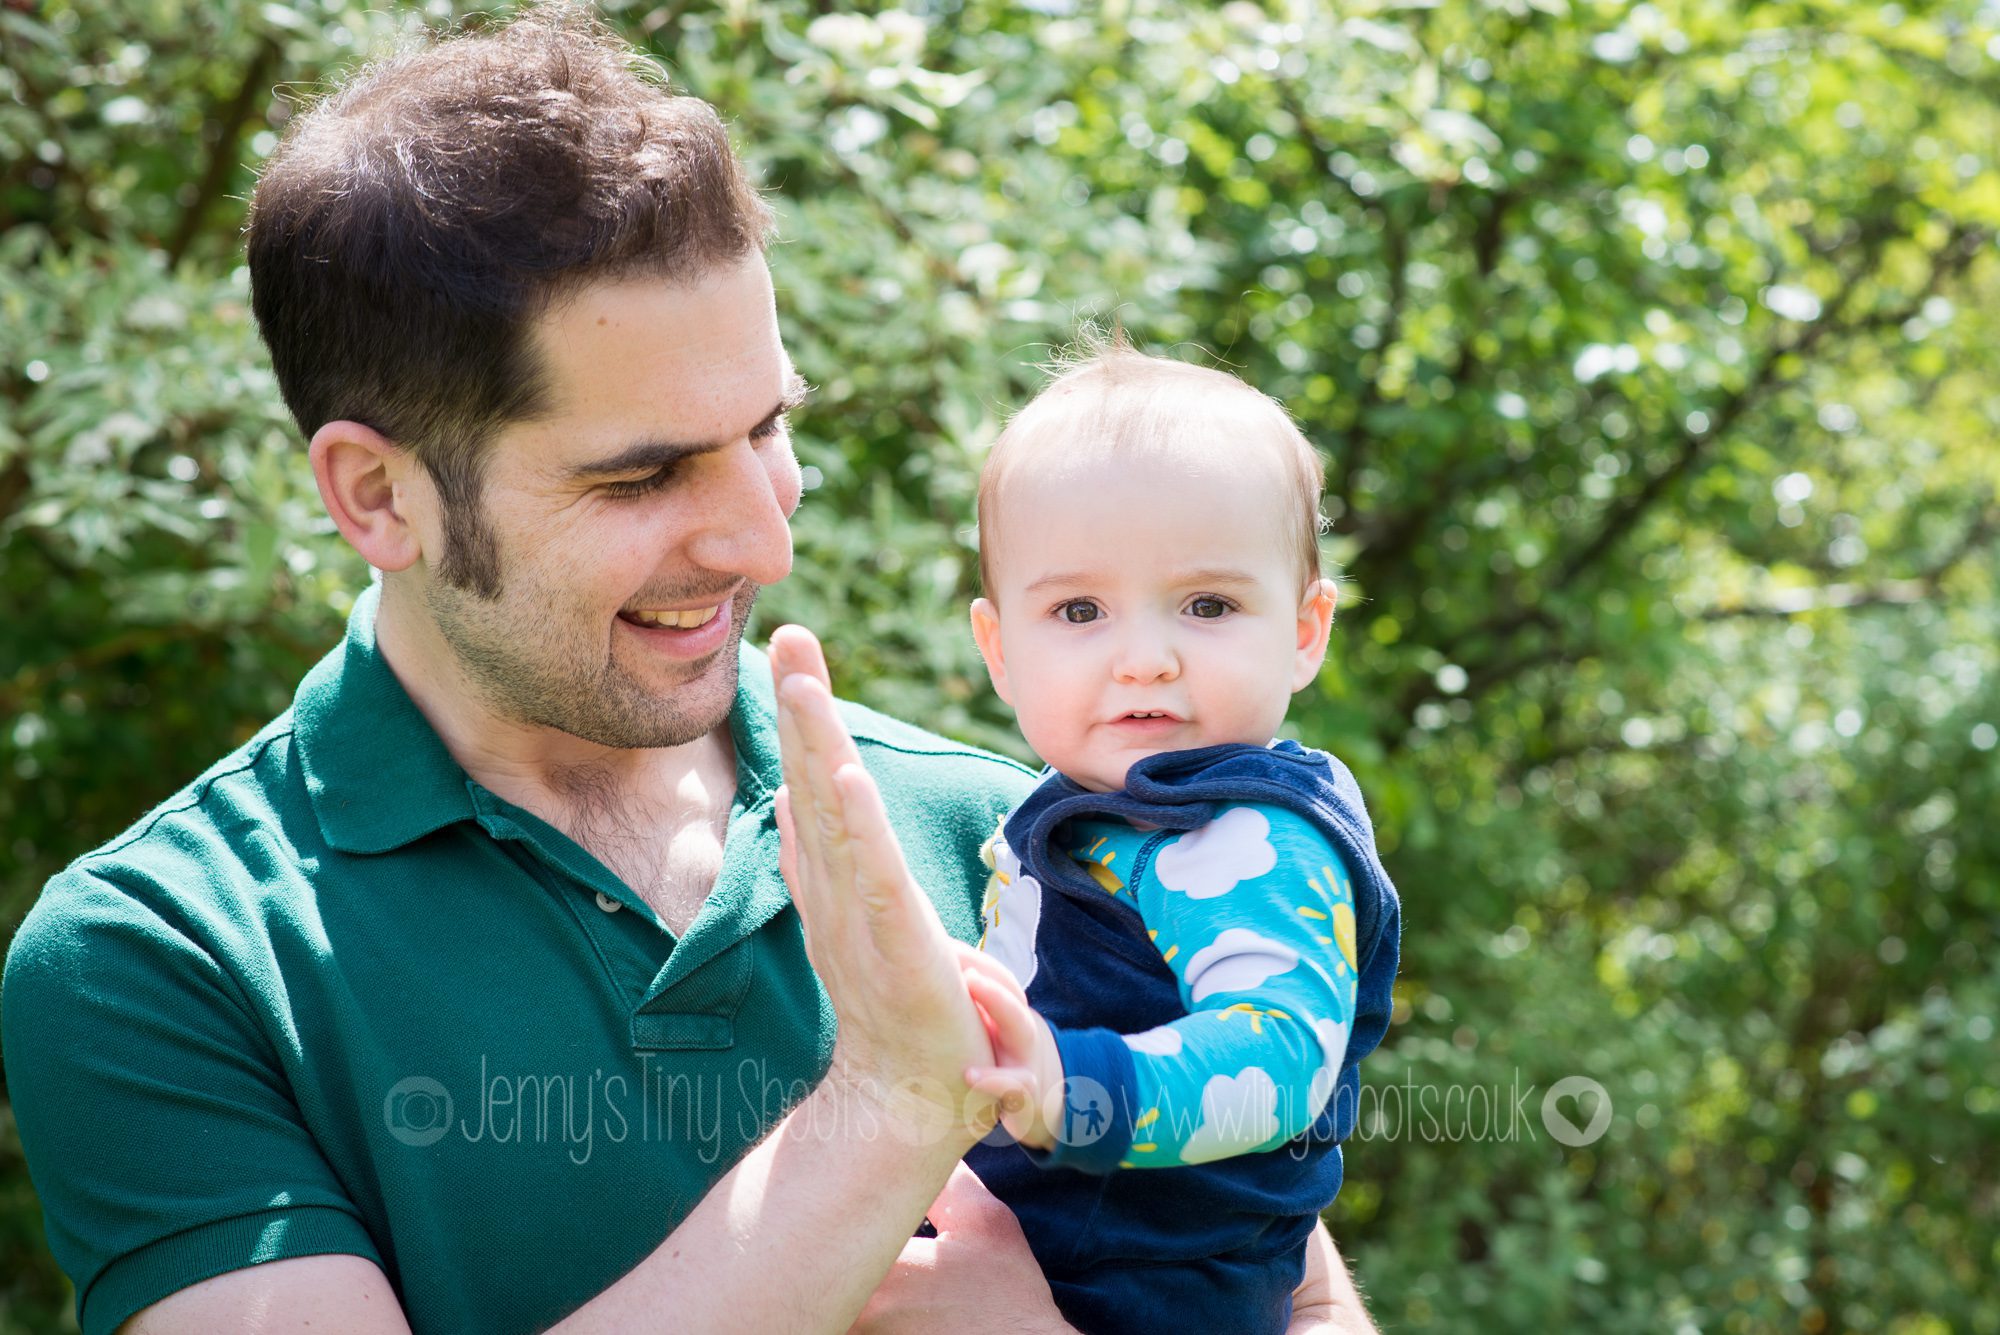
(1147, 713)
(688, 620)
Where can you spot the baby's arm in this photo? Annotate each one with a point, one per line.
(1255, 915)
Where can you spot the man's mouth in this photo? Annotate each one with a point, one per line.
(671, 618)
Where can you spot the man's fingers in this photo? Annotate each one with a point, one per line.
(824, 737)
(905, 924)
(796, 649)
(798, 792)
(820, 739)
(788, 842)
(788, 867)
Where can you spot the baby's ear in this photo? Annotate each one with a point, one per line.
(1315, 622)
(986, 634)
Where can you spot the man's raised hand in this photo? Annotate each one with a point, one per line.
(907, 1029)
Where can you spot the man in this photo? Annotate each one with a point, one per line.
(469, 994)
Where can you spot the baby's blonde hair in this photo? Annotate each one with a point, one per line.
(1112, 400)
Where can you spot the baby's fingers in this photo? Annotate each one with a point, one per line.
(973, 960)
(1014, 1030)
(1012, 1088)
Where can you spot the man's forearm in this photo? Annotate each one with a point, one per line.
(1327, 1303)
(797, 1235)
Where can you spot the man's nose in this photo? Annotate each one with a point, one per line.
(1146, 654)
(746, 528)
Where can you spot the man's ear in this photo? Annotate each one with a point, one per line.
(1315, 623)
(986, 633)
(374, 491)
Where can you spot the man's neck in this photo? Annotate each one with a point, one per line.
(533, 766)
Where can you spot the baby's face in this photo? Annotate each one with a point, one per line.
(1147, 609)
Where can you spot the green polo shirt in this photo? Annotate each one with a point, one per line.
(335, 997)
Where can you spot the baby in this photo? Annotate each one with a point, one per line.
(1198, 937)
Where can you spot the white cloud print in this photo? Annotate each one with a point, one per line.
(1162, 1042)
(1204, 863)
(1014, 918)
(1238, 1113)
(1333, 1051)
(1236, 961)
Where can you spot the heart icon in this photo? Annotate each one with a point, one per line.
(1574, 1087)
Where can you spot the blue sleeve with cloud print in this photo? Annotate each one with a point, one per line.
(1254, 914)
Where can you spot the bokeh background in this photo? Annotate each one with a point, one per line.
(1654, 351)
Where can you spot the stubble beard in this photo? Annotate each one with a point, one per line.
(532, 661)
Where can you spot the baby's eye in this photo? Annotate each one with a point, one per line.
(1208, 607)
(1078, 611)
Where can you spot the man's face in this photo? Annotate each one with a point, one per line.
(636, 520)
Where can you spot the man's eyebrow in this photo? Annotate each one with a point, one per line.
(647, 456)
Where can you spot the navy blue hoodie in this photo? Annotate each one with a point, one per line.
(1216, 1246)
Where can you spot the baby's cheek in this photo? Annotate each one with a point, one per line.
(1055, 743)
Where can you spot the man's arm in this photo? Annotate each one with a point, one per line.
(979, 1265)
(794, 1237)
(296, 1295)
(1326, 1301)
(797, 1235)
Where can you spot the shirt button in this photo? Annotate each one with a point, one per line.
(607, 903)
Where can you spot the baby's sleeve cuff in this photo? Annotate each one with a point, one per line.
(1100, 1085)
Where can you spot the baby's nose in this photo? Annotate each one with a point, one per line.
(1146, 658)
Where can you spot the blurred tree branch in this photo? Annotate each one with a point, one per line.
(1951, 258)
(223, 156)
(1843, 596)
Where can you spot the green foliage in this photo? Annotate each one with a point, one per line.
(1653, 352)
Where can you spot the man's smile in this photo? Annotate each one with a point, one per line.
(683, 619)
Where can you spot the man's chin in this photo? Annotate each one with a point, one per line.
(701, 694)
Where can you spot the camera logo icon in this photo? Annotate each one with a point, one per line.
(417, 1111)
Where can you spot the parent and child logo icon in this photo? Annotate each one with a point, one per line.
(1086, 1111)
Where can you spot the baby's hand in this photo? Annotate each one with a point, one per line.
(1026, 1076)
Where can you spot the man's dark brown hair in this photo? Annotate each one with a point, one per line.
(414, 223)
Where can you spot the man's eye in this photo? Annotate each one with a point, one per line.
(642, 486)
(1208, 607)
(1078, 611)
(777, 426)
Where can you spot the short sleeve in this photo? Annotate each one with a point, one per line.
(160, 1132)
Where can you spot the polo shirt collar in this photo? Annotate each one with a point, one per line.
(376, 771)
(753, 728)
(379, 776)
